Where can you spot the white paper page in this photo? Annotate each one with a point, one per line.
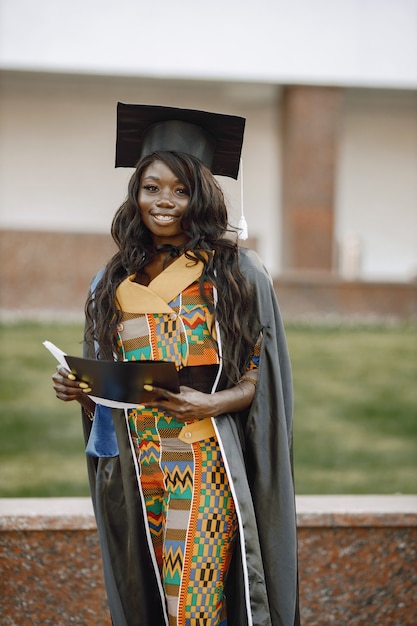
(113, 404)
(57, 353)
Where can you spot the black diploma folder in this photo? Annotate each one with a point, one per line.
(123, 381)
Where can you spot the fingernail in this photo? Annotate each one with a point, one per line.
(87, 390)
(83, 385)
(72, 377)
(148, 387)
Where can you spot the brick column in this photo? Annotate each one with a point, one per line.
(311, 121)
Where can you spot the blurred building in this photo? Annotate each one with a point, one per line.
(329, 91)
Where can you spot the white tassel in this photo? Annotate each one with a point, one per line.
(243, 226)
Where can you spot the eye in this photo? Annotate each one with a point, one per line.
(150, 188)
(182, 191)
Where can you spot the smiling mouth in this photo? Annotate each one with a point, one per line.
(163, 218)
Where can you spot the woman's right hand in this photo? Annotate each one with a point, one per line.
(68, 388)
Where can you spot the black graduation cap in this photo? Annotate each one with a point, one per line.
(214, 138)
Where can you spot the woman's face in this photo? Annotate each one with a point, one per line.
(162, 201)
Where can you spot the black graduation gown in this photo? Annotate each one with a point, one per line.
(262, 587)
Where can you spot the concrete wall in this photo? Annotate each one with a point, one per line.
(46, 275)
(357, 562)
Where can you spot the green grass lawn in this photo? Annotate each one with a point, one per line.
(41, 445)
(355, 426)
(355, 411)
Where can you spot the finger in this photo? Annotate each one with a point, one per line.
(65, 372)
(67, 387)
(72, 380)
(66, 393)
(64, 377)
(158, 392)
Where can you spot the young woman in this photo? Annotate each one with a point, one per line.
(193, 491)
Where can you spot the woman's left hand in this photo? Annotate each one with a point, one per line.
(189, 404)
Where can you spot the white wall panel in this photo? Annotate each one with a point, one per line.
(348, 42)
(377, 187)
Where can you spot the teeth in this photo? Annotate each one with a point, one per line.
(164, 218)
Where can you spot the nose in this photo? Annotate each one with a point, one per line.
(165, 199)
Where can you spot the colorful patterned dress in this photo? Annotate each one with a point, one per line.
(190, 509)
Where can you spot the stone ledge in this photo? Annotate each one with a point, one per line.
(357, 562)
(328, 510)
(46, 513)
(354, 511)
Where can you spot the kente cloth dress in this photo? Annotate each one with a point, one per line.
(189, 504)
(252, 474)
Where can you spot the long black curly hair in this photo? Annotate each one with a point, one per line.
(205, 223)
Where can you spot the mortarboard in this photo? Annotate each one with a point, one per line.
(214, 138)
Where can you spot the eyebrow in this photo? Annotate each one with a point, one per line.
(157, 178)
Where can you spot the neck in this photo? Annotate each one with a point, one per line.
(157, 260)
(169, 249)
